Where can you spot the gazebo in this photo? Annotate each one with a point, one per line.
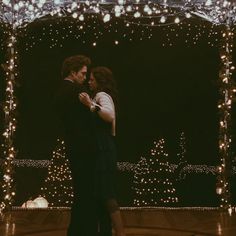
(15, 15)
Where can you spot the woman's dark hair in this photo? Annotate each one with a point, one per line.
(74, 63)
(105, 82)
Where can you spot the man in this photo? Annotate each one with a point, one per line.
(80, 148)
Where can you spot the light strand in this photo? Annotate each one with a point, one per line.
(124, 208)
(125, 166)
(225, 107)
(10, 68)
(23, 12)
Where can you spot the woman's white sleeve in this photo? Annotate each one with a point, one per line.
(107, 108)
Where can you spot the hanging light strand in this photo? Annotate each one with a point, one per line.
(24, 12)
(10, 68)
(225, 108)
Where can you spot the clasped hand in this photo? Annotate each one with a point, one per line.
(85, 99)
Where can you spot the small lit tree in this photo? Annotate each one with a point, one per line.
(153, 179)
(57, 187)
(140, 173)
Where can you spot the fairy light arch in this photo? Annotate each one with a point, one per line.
(16, 14)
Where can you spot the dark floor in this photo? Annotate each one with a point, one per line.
(138, 222)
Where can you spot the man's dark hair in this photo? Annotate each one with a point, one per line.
(74, 63)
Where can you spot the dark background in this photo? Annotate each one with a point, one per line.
(162, 90)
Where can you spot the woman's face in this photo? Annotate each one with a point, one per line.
(92, 83)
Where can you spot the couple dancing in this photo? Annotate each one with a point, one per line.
(88, 117)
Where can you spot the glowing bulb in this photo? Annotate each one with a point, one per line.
(225, 3)
(16, 7)
(21, 4)
(188, 15)
(230, 210)
(129, 8)
(30, 7)
(117, 14)
(106, 18)
(163, 19)
(117, 9)
(177, 20)
(121, 2)
(74, 5)
(208, 3)
(81, 17)
(6, 2)
(7, 178)
(137, 14)
(219, 190)
(74, 15)
(96, 9)
(146, 8)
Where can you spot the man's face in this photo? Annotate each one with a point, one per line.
(80, 76)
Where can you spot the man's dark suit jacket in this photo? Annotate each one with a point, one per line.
(78, 131)
(81, 149)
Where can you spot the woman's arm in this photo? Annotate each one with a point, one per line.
(106, 106)
(102, 104)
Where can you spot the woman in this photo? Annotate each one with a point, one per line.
(104, 94)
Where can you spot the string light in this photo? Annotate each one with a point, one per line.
(128, 166)
(150, 208)
(226, 92)
(10, 68)
(24, 12)
(93, 28)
